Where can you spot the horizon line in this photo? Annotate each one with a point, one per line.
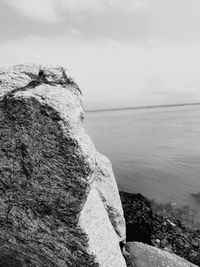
(145, 107)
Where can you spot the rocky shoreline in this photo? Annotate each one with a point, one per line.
(162, 226)
(60, 204)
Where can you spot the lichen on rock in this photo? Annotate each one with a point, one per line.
(55, 209)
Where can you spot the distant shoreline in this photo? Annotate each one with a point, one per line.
(145, 107)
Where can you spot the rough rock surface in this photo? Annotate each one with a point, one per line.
(59, 202)
(142, 255)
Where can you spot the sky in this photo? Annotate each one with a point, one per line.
(121, 53)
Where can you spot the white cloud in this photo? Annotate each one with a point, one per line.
(42, 10)
(87, 6)
(52, 10)
(102, 5)
(74, 32)
(130, 5)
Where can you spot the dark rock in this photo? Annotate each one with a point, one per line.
(138, 216)
(162, 231)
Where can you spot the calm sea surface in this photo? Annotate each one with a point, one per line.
(153, 151)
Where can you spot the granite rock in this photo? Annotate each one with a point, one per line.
(143, 255)
(59, 202)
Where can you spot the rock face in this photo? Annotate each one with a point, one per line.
(59, 202)
(142, 255)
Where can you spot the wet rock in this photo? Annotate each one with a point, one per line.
(161, 230)
(138, 216)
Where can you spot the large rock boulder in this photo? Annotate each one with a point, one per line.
(142, 255)
(59, 202)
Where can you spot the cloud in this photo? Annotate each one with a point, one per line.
(86, 6)
(130, 20)
(42, 10)
(53, 10)
(102, 5)
(131, 5)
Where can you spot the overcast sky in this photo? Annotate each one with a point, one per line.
(120, 52)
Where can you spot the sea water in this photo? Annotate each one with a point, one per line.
(154, 151)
